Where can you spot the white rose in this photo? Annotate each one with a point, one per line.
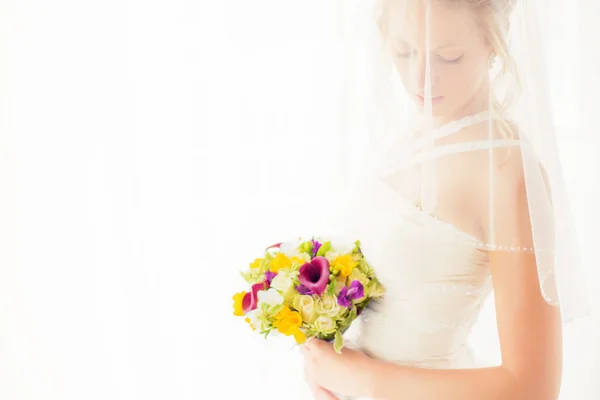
(327, 305)
(269, 297)
(285, 285)
(282, 282)
(325, 325)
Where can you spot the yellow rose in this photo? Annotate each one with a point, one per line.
(237, 304)
(327, 305)
(306, 305)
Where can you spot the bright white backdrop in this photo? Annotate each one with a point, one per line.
(150, 149)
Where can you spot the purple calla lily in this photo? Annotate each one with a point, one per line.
(269, 276)
(250, 300)
(314, 275)
(347, 294)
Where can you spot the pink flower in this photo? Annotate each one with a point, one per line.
(314, 275)
(250, 300)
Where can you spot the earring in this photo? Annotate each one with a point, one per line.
(492, 60)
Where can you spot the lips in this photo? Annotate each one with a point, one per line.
(434, 100)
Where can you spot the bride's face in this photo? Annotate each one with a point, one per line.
(457, 53)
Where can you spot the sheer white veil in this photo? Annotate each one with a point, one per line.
(464, 135)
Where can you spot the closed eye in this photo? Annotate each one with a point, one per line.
(405, 54)
(452, 60)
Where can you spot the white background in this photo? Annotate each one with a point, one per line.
(150, 149)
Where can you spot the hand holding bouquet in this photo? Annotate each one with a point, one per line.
(306, 289)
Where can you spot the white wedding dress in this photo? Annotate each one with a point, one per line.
(436, 281)
(436, 276)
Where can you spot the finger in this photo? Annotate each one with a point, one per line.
(304, 350)
(310, 341)
(308, 371)
(309, 367)
(319, 345)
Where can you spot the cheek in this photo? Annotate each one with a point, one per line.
(461, 82)
(404, 71)
(458, 82)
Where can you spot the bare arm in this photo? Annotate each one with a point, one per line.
(529, 330)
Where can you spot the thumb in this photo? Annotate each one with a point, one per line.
(304, 350)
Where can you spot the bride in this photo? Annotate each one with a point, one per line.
(459, 198)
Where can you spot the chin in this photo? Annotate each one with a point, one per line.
(437, 110)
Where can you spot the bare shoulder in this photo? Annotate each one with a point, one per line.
(507, 221)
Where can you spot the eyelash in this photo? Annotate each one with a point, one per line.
(454, 61)
(405, 55)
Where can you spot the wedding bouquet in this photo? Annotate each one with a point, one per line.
(305, 289)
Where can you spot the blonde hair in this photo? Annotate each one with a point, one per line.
(494, 16)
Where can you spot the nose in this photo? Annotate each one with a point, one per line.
(423, 73)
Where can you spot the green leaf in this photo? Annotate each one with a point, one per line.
(375, 289)
(264, 307)
(307, 247)
(345, 324)
(267, 331)
(364, 304)
(269, 255)
(331, 289)
(365, 267)
(310, 333)
(338, 342)
(324, 249)
(264, 265)
(275, 309)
